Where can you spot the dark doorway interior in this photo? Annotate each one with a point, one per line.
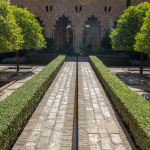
(63, 34)
(92, 34)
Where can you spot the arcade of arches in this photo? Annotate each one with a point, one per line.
(76, 23)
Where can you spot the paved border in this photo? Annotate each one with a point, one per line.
(101, 125)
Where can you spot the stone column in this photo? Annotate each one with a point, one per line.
(78, 39)
(48, 33)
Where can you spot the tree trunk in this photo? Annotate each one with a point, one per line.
(17, 60)
(141, 63)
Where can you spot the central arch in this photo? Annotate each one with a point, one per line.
(92, 34)
(63, 34)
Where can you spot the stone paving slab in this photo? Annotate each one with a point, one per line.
(99, 128)
(18, 81)
(51, 125)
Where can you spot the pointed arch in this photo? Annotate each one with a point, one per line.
(60, 9)
(98, 12)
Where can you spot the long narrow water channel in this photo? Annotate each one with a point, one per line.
(75, 120)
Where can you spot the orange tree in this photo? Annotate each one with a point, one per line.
(10, 33)
(31, 29)
(128, 25)
(142, 39)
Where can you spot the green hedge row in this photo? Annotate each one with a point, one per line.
(133, 109)
(16, 109)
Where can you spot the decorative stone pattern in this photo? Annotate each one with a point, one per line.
(49, 11)
(77, 11)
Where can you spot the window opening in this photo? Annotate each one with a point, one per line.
(47, 8)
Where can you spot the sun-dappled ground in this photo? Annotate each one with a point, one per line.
(10, 79)
(137, 82)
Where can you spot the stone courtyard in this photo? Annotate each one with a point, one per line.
(66, 106)
(51, 126)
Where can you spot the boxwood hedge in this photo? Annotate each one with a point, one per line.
(16, 109)
(133, 109)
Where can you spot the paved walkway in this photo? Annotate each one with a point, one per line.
(99, 128)
(51, 126)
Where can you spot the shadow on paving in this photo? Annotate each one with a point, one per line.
(137, 82)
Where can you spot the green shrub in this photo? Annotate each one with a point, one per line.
(106, 41)
(133, 109)
(50, 44)
(16, 109)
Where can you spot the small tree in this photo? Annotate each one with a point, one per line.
(143, 37)
(31, 29)
(105, 43)
(142, 43)
(122, 38)
(128, 25)
(10, 34)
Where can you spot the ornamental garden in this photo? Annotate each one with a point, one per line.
(27, 42)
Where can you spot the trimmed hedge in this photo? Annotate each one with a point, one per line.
(133, 109)
(16, 109)
(42, 59)
(114, 60)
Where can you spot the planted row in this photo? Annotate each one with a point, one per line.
(16, 109)
(133, 109)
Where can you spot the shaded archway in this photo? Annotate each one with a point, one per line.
(63, 34)
(128, 3)
(92, 34)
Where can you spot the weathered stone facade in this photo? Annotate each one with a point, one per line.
(77, 11)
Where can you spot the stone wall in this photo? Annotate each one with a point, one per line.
(77, 11)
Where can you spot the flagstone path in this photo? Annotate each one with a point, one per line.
(51, 125)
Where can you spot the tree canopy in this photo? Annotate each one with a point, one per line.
(142, 39)
(31, 29)
(19, 29)
(10, 33)
(128, 25)
(133, 30)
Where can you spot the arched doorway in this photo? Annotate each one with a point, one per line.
(63, 34)
(92, 34)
